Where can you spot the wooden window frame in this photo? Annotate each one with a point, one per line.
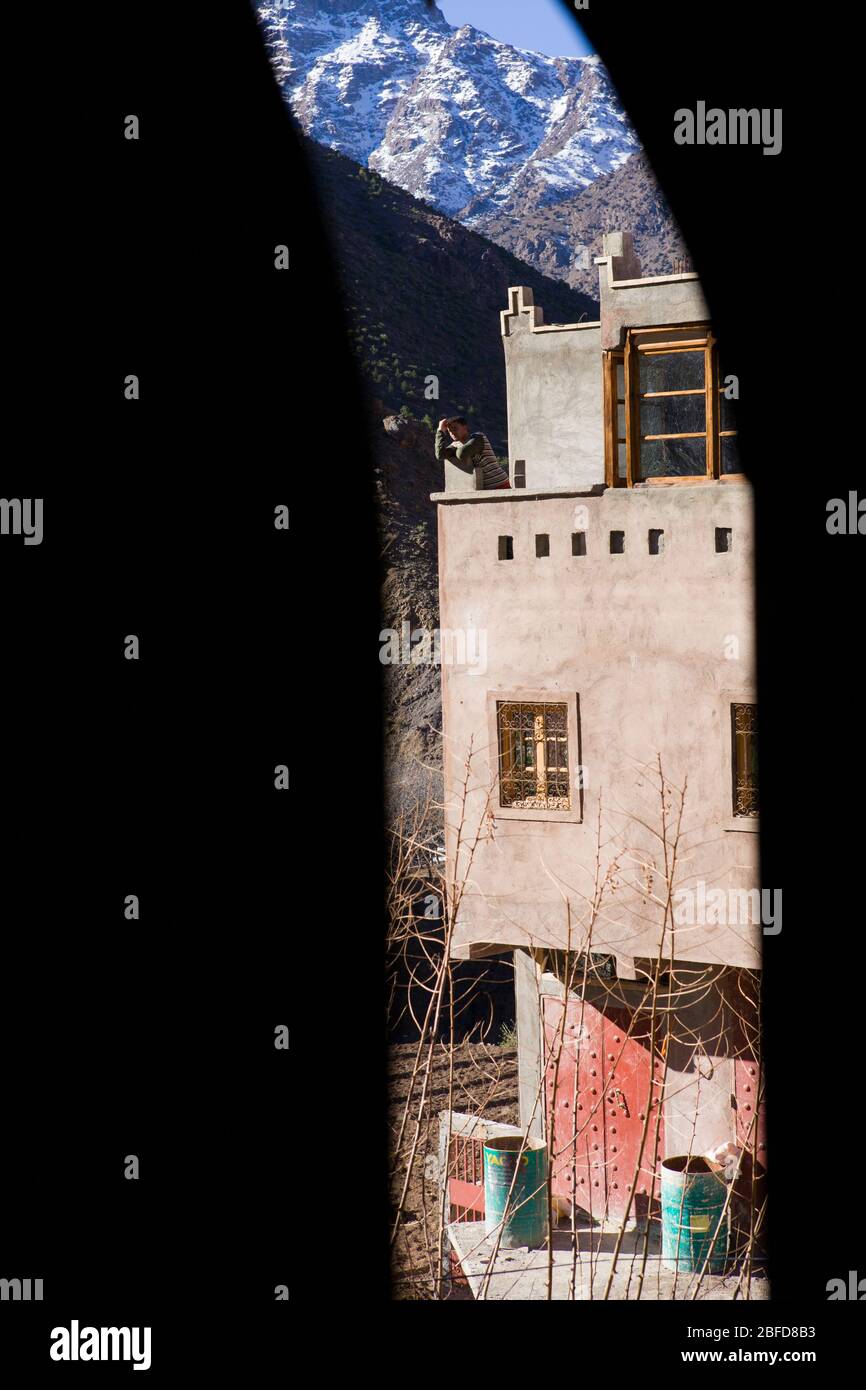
(612, 360)
(658, 341)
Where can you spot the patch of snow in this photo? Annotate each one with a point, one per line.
(379, 79)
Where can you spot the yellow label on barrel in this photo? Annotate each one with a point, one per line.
(700, 1221)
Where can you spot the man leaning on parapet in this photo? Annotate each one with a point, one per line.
(470, 451)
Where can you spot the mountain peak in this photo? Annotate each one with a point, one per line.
(448, 113)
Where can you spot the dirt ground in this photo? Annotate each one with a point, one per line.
(473, 1078)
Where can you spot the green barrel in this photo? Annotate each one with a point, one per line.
(515, 1191)
(693, 1198)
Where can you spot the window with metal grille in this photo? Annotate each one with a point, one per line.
(533, 755)
(744, 758)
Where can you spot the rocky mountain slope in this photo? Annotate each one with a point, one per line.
(423, 296)
(562, 239)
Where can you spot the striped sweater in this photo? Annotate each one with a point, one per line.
(474, 451)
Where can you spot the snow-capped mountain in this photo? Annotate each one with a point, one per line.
(455, 117)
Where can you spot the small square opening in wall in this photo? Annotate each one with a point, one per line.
(578, 542)
(724, 539)
(542, 546)
(617, 542)
(506, 547)
(519, 477)
(656, 542)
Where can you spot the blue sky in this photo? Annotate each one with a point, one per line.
(541, 24)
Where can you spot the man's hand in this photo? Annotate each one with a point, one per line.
(443, 424)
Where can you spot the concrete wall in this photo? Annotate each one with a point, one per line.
(656, 647)
(554, 379)
(629, 301)
(459, 479)
(651, 303)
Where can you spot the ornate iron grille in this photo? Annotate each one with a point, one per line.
(533, 756)
(744, 735)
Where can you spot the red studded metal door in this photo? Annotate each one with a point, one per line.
(600, 1076)
(573, 1044)
(633, 1084)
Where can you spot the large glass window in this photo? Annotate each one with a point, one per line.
(672, 414)
(668, 409)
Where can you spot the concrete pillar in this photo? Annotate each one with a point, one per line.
(624, 261)
(459, 479)
(530, 1043)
